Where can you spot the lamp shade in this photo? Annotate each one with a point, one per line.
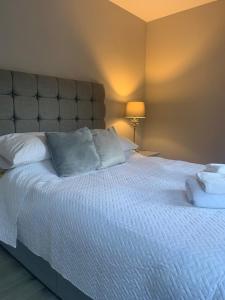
(135, 109)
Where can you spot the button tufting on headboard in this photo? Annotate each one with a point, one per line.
(31, 102)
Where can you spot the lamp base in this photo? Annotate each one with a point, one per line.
(134, 122)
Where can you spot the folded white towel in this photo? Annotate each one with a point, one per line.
(199, 198)
(215, 168)
(213, 183)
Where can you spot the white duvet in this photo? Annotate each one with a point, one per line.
(126, 232)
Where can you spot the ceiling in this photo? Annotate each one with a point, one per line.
(149, 10)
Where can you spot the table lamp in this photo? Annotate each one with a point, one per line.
(135, 110)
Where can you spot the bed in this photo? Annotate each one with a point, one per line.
(125, 232)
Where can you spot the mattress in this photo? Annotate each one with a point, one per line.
(125, 232)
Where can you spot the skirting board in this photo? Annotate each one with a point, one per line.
(43, 271)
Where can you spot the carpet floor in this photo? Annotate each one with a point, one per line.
(16, 283)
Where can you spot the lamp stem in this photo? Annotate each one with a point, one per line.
(134, 123)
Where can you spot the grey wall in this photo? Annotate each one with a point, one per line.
(185, 84)
(80, 39)
(96, 40)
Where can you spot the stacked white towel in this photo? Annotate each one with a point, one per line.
(212, 183)
(208, 188)
(199, 198)
(212, 178)
(215, 168)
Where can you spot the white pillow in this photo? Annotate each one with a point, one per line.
(22, 148)
(127, 144)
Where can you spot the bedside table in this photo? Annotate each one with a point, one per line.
(148, 153)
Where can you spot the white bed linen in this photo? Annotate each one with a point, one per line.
(125, 232)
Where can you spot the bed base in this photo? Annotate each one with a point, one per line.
(42, 270)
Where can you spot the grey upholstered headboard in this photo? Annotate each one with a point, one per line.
(31, 103)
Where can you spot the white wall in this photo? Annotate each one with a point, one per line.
(80, 39)
(185, 85)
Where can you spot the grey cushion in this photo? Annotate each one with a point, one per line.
(98, 110)
(48, 108)
(5, 82)
(68, 109)
(24, 84)
(98, 92)
(84, 90)
(68, 125)
(6, 126)
(31, 102)
(73, 153)
(6, 107)
(85, 110)
(47, 87)
(98, 124)
(108, 147)
(67, 89)
(26, 107)
(27, 126)
(49, 125)
(84, 123)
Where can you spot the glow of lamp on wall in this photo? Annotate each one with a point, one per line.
(135, 111)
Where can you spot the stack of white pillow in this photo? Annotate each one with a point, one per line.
(22, 148)
(18, 149)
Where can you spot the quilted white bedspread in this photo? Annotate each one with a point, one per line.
(126, 232)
